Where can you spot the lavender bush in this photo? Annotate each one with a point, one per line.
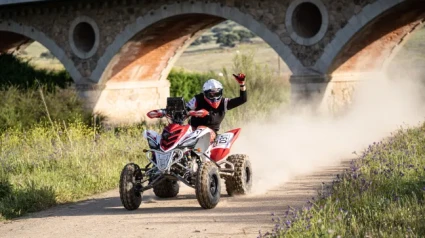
(380, 195)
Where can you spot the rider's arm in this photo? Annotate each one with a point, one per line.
(231, 103)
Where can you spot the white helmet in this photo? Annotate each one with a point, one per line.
(213, 92)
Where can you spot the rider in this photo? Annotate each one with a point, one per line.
(212, 101)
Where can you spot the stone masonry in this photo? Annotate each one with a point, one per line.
(119, 52)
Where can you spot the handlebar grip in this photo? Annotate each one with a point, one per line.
(199, 113)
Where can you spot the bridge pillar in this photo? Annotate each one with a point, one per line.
(326, 94)
(125, 102)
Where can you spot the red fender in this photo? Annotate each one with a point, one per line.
(223, 144)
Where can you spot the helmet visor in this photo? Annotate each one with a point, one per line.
(214, 95)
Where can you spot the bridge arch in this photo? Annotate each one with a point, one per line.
(371, 38)
(193, 17)
(21, 31)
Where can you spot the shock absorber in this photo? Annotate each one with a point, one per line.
(138, 177)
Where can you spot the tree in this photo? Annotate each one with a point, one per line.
(227, 40)
(244, 35)
(206, 39)
(196, 42)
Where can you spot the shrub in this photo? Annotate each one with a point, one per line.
(244, 35)
(24, 109)
(206, 39)
(19, 73)
(21, 91)
(196, 42)
(227, 40)
(187, 84)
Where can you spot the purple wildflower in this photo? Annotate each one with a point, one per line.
(288, 223)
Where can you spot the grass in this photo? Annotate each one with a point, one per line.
(21, 109)
(214, 58)
(39, 57)
(48, 165)
(200, 59)
(381, 195)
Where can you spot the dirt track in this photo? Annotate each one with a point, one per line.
(103, 215)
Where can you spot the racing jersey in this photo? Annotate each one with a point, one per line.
(216, 115)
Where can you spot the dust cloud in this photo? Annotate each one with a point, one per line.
(297, 143)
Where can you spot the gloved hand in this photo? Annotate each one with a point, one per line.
(240, 78)
(156, 114)
(199, 113)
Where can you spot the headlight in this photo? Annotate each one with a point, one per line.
(152, 144)
(189, 143)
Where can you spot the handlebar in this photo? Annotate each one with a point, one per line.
(163, 112)
(199, 113)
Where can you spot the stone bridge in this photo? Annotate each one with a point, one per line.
(119, 52)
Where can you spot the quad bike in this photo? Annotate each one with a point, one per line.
(192, 157)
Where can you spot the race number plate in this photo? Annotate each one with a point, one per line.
(223, 140)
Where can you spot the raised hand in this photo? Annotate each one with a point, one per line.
(240, 78)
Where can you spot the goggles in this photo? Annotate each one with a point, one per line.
(214, 95)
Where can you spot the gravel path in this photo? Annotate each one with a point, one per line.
(104, 216)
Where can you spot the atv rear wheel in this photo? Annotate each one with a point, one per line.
(208, 185)
(166, 189)
(130, 197)
(241, 181)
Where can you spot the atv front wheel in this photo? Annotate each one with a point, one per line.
(208, 185)
(166, 189)
(130, 197)
(241, 181)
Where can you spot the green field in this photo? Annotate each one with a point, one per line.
(204, 58)
(199, 58)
